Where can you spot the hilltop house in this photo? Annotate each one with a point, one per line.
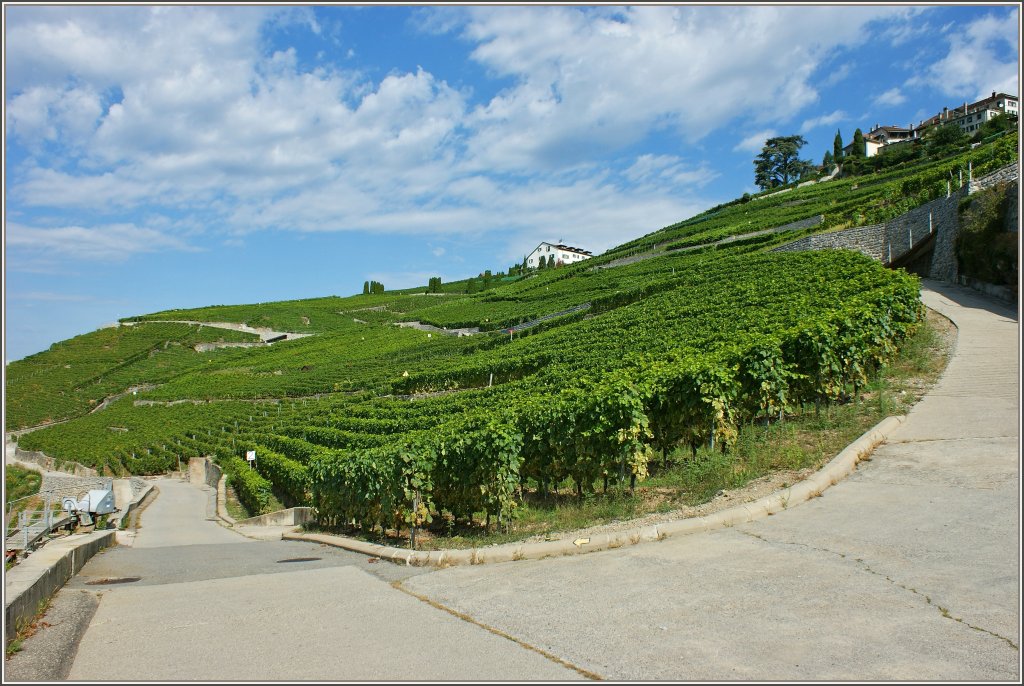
(968, 117)
(564, 254)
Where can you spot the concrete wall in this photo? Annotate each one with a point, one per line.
(289, 517)
(202, 470)
(39, 576)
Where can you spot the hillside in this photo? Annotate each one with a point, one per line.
(663, 341)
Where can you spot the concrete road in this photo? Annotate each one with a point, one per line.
(192, 600)
(907, 570)
(182, 514)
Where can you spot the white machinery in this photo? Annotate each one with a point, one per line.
(99, 502)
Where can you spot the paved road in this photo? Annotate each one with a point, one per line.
(191, 600)
(907, 570)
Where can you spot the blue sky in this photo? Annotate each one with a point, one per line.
(171, 156)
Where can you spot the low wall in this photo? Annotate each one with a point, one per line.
(203, 470)
(76, 486)
(50, 464)
(34, 581)
(293, 516)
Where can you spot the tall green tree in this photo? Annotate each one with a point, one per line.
(859, 149)
(837, 148)
(827, 161)
(779, 162)
(366, 288)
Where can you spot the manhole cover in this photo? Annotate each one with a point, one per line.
(300, 559)
(116, 580)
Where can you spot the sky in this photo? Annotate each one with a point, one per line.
(166, 156)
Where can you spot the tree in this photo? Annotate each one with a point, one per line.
(997, 124)
(859, 149)
(837, 148)
(779, 162)
(551, 261)
(828, 161)
(366, 288)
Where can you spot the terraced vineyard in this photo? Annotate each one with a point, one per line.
(388, 427)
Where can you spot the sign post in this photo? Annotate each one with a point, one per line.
(250, 456)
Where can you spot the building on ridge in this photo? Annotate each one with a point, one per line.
(563, 254)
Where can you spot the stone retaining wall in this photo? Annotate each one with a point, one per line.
(891, 240)
(76, 486)
(50, 464)
(869, 240)
(1010, 172)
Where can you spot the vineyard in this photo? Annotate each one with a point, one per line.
(383, 427)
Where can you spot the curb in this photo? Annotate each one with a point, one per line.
(832, 473)
(222, 511)
(45, 572)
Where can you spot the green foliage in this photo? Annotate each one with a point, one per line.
(253, 491)
(946, 139)
(779, 162)
(20, 482)
(859, 148)
(985, 249)
(434, 285)
(837, 148)
(73, 376)
(998, 124)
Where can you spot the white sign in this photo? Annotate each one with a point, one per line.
(250, 455)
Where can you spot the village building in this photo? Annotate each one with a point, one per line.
(563, 254)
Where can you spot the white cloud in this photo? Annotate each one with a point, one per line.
(438, 252)
(983, 57)
(113, 242)
(838, 74)
(184, 113)
(597, 79)
(823, 120)
(755, 141)
(891, 97)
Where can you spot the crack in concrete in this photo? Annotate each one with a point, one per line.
(866, 567)
(397, 585)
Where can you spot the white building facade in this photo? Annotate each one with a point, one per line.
(563, 255)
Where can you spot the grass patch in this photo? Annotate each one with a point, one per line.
(26, 629)
(20, 482)
(805, 440)
(238, 511)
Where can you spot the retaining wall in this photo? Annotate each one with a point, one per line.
(43, 573)
(291, 516)
(50, 464)
(891, 240)
(77, 486)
